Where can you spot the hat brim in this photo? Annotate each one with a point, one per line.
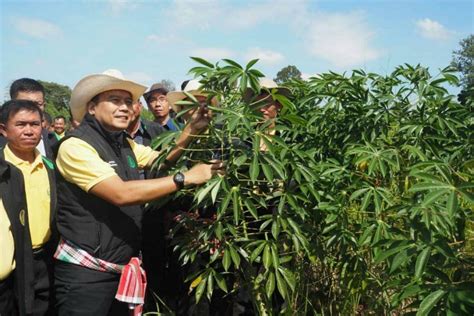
(92, 85)
(249, 94)
(176, 96)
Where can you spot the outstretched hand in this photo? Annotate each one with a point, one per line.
(201, 173)
(200, 119)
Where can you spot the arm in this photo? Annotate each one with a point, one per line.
(118, 192)
(199, 121)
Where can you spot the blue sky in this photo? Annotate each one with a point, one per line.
(63, 41)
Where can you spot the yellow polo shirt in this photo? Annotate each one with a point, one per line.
(38, 195)
(79, 162)
(7, 245)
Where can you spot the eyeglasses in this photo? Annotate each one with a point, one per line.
(159, 100)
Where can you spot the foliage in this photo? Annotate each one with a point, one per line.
(168, 84)
(463, 61)
(57, 98)
(359, 206)
(287, 73)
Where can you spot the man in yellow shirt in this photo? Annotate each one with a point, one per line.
(21, 124)
(59, 125)
(16, 275)
(101, 195)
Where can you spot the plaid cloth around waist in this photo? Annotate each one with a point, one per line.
(132, 283)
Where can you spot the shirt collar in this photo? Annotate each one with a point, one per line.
(14, 160)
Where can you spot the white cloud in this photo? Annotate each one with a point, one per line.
(215, 13)
(169, 39)
(140, 77)
(306, 76)
(268, 57)
(433, 30)
(37, 28)
(213, 53)
(117, 6)
(344, 39)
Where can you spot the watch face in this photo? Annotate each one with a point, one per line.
(179, 178)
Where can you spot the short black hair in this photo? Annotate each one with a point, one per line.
(47, 117)
(60, 117)
(184, 84)
(25, 85)
(12, 107)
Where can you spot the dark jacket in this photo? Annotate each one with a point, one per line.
(106, 231)
(146, 133)
(51, 169)
(12, 193)
(48, 140)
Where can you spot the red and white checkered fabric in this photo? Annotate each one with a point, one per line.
(132, 283)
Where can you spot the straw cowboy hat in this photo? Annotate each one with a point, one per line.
(193, 87)
(266, 85)
(92, 85)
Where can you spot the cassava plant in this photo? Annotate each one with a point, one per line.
(361, 203)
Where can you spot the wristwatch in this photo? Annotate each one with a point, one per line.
(178, 179)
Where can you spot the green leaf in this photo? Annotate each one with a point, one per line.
(226, 259)
(254, 168)
(275, 257)
(220, 282)
(251, 63)
(422, 261)
(200, 290)
(452, 204)
(240, 160)
(289, 277)
(215, 190)
(210, 286)
(203, 62)
(267, 171)
(429, 302)
(236, 204)
(270, 284)
(267, 257)
(281, 285)
(251, 208)
(432, 197)
(235, 256)
(256, 252)
(275, 228)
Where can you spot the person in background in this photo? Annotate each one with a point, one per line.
(59, 127)
(158, 105)
(21, 125)
(16, 261)
(101, 197)
(266, 104)
(32, 90)
(47, 122)
(142, 131)
(194, 88)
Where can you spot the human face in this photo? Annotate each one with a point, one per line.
(113, 109)
(35, 96)
(158, 105)
(136, 111)
(23, 132)
(59, 125)
(269, 108)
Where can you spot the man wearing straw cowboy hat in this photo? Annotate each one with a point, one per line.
(99, 217)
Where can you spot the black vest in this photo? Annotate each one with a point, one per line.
(106, 231)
